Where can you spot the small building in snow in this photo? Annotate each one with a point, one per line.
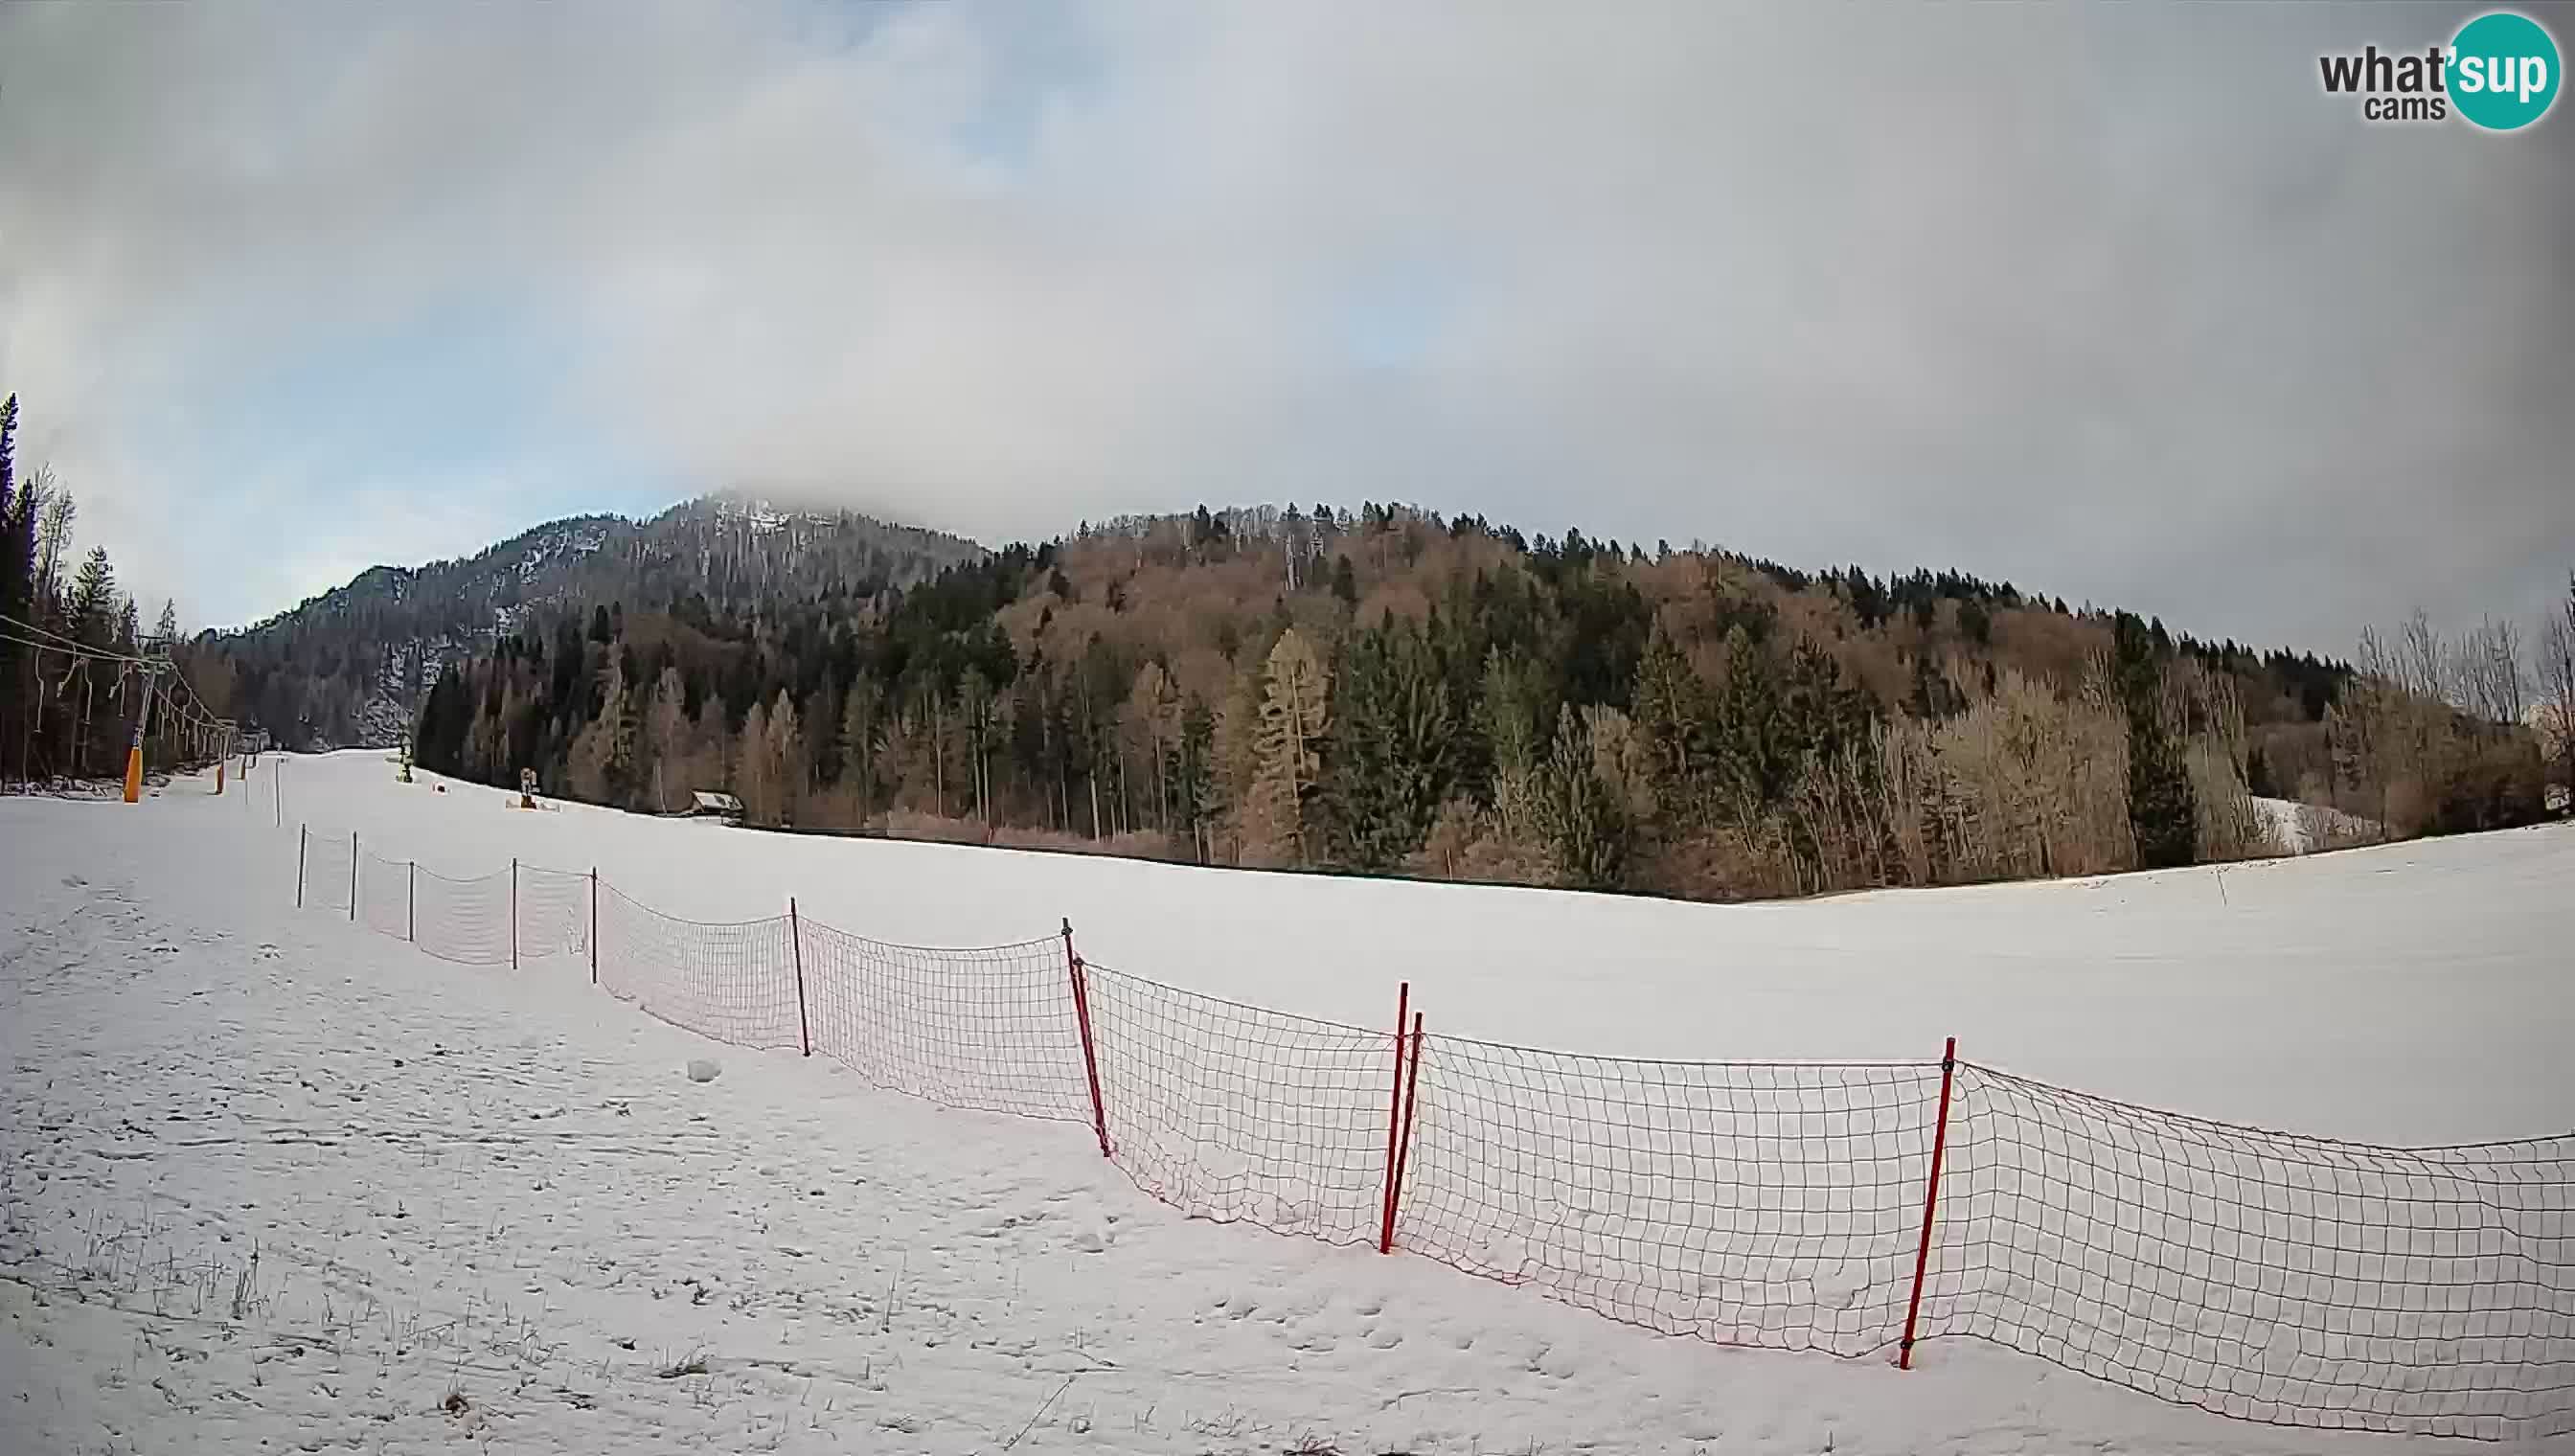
(714, 805)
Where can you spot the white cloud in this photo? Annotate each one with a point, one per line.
(2115, 303)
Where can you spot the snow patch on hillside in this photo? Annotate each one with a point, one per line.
(572, 541)
(2304, 829)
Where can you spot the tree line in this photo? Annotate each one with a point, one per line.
(66, 702)
(1391, 691)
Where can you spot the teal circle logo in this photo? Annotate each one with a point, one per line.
(2503, 71)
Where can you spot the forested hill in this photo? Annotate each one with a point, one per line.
(1397, 691)
(349, 666)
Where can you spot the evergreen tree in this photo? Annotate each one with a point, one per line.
(863, 741)
(1345, 584)
(1390, 764)
(1193, 783)
(167, 629)
(446, 719)
(1585, 826)
(2163, 814)
(1511, 710)
(1752, 753)
(1669, 708)
(1934, 697)
(95, 611)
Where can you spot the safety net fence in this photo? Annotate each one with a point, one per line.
(1793, 1205)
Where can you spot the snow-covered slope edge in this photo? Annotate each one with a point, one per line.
(490, 1209)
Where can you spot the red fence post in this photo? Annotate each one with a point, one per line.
(795, 938)
(1403, 1139)
(352, 876)
(1074, 969)
(514, 912)
(1394, 1125)
(594, 923)
(302, 833)
(1930, 1201)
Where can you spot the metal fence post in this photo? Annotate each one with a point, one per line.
(1403, 1139)
(795, 940)
(1080, 978)
(1394, 1126)
(1930, 1200)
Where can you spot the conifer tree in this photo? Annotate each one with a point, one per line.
(1390, 761)
(94, 607)
(2162, 811)
(1586, 827)
(1194, 779)
(1669, 707)
(1752, 762)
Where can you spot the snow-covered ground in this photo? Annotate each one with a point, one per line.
(2304, 829)
(2413, 993)
(272, 1180)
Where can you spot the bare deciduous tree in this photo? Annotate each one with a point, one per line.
(2487, 667)
(1293, 715)
(2557, 683)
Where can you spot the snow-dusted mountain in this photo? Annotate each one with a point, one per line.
(347, 668)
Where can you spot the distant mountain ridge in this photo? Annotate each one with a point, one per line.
(347, 668)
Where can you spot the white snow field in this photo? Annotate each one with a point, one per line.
(273, 1179)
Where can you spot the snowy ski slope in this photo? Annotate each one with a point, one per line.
(2410, 993)
(499, 1187)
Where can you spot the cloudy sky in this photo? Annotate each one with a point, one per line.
(2113, 303)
